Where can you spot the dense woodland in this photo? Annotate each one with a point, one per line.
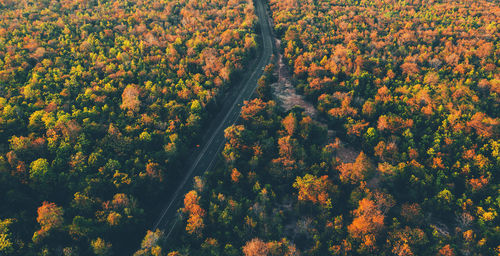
(100, 102)
(413, 88)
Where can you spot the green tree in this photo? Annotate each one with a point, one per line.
(40, 170)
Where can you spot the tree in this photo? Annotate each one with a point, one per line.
(407, 241)
(39, 170)
(369, 218)
(483, 125)
(314, 189)
(446, 251)
(255, 247)
(235, 175)
(357, 171)
(196, 106)
(130, 98)
(410, 68)
(151, 243)
(264, 90)
(50, 217)
(6, 239)
(101, 247)
(191, 206)
(236, 137)
(290, 123)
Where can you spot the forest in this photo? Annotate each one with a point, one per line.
(103, 101)
(403, 160)
(100, 102)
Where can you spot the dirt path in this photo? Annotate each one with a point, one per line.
(287, 97)
(284, 91)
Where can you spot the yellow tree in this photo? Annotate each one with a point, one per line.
(314, 189)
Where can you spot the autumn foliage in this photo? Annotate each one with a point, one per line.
(255, 247)
(314, 189)
(194, 211)
(104, 98)
(50, 217)
(102, 102)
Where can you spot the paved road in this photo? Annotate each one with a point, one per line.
(213, 140)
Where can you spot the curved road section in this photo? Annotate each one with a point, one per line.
(213, 140)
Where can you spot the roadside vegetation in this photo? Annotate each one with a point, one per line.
(100, 103)
(414, 87)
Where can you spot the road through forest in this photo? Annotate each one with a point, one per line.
(213, 140)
